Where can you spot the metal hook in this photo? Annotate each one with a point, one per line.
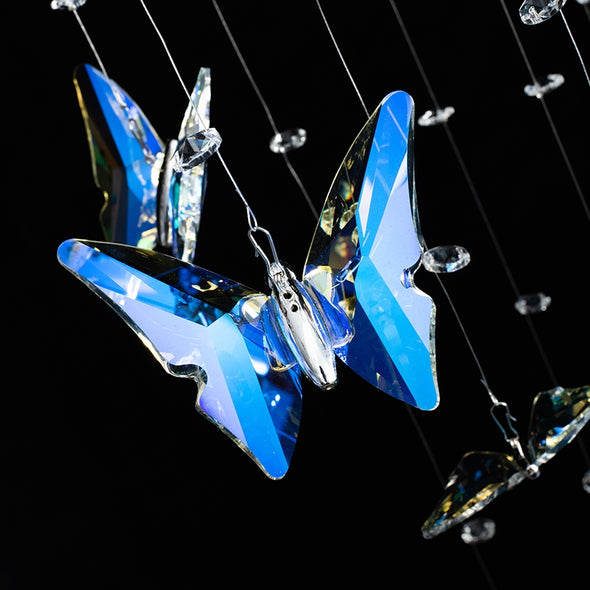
(259, 251)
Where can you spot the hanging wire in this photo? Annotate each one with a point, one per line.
(265, 107)
(575, 46)
(476, 198)
(419, 430)
(547, 113)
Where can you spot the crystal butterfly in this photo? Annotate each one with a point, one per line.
(356, 300)
(148, 201)
(557, 416)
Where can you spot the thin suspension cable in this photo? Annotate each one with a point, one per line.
(575, 46)
(250, 214)
(342, 59)
(264, 106)
(89, 40)
(477, 199)
(547, 113)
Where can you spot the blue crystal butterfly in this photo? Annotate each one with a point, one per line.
(356, 300)
(557, 416)
(147, 201)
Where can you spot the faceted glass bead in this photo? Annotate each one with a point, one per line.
(586, 481)
(532, 303)
(478, 530)
(533, 12)
(437, 117)
(195, 149)
(287, 141)
(445, 259)
(538, 90)
(67, 4)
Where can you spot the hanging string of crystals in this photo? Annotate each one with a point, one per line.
(535, 12)
(539, 90)
(463, 504)
(527, 467)
(281, 142)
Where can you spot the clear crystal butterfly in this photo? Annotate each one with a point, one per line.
(557, 416)
(149, 199)
(356, 300)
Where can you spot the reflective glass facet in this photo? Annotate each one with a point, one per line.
(147, 201)
(533, 12)
(445, 259)
(121, 169)
(557, 416)
(479, 477)
(187, 190)
(364, 252)
(200, 325)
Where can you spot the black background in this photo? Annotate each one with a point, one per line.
(114, 481)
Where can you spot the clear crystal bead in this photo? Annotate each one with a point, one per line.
(533, 12)
(586, 481)
(194, 149)
(287, 141)
(445, 259)
(538, 90)
(437, 117)
(67, 4)
(478, 530)
(532, 303)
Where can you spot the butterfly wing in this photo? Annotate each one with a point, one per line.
(557, 416)
(364, 252)
(189, 186)
(200, 325)
(126, 156)
(479, 478)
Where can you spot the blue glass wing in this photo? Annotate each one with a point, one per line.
(124, 150)
(200, 325)
(364, 252)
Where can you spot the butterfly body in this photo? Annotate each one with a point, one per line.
(304, 324)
